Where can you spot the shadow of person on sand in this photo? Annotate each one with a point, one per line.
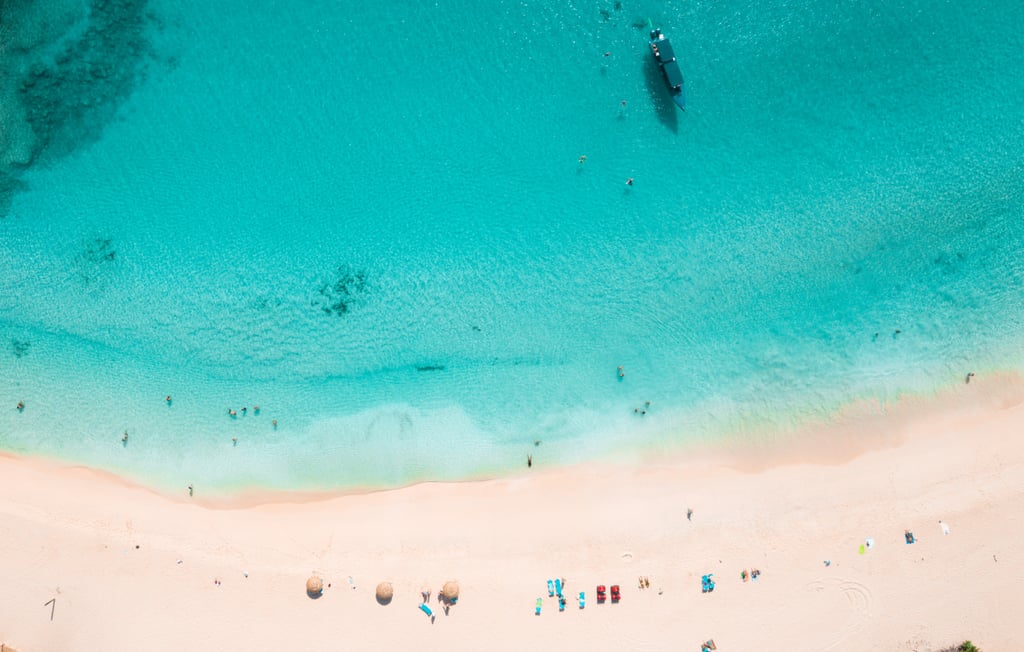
(665, 108)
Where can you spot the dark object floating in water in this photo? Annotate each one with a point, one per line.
(431, 367)
(666, 58)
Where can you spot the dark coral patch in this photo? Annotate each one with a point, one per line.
(344, 290)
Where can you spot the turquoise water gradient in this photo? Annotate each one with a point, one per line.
(371, 221)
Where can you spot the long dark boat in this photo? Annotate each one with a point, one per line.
(666, 58)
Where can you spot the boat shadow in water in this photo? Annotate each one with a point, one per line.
(668, 113)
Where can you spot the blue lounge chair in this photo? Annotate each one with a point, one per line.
(540, 602)
(551, 588)
(558, 587)
(707, 585)
(561, 603)
(425, 609)
(583, 600)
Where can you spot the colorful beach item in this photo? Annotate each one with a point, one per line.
(707, 584)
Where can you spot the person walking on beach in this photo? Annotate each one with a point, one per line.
(689, 514)
(529, 461)
(190, 490)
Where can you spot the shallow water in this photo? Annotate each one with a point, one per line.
(372, 222)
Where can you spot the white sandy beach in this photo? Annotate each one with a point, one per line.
(108, 551)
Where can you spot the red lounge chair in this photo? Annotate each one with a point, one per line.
(601, 596)
(616, 596)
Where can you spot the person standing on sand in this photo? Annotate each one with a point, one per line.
(529, 461)
(689, 514)
(190, 491)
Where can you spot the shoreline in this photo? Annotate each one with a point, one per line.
(71, 532)
(813, 442)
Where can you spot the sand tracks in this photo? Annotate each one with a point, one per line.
(857, 605)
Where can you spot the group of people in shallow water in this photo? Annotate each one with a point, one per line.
(168, 400)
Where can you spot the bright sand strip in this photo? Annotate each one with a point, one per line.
(71, 534)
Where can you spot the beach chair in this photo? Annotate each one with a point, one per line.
(601, 593)
(425, 609)
(561, 603)
(583, 600)
(707, 585)
(616, 596)
(708, 646)
(909, 536)
(540, 602)
(558, 587)
(551, 588)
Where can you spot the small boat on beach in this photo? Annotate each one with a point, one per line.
(666, 58)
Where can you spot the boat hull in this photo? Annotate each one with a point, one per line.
(663, 53)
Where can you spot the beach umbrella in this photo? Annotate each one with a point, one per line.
(314, 586)
(385, 592)
(450, 591)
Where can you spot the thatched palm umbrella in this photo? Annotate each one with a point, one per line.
(450, 592)
(314, 587)
(385, 592)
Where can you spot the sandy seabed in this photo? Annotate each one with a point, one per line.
(129, 569)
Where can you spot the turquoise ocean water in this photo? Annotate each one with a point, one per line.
(371, 222)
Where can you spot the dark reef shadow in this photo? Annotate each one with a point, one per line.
(71, 83)
(667, 112)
